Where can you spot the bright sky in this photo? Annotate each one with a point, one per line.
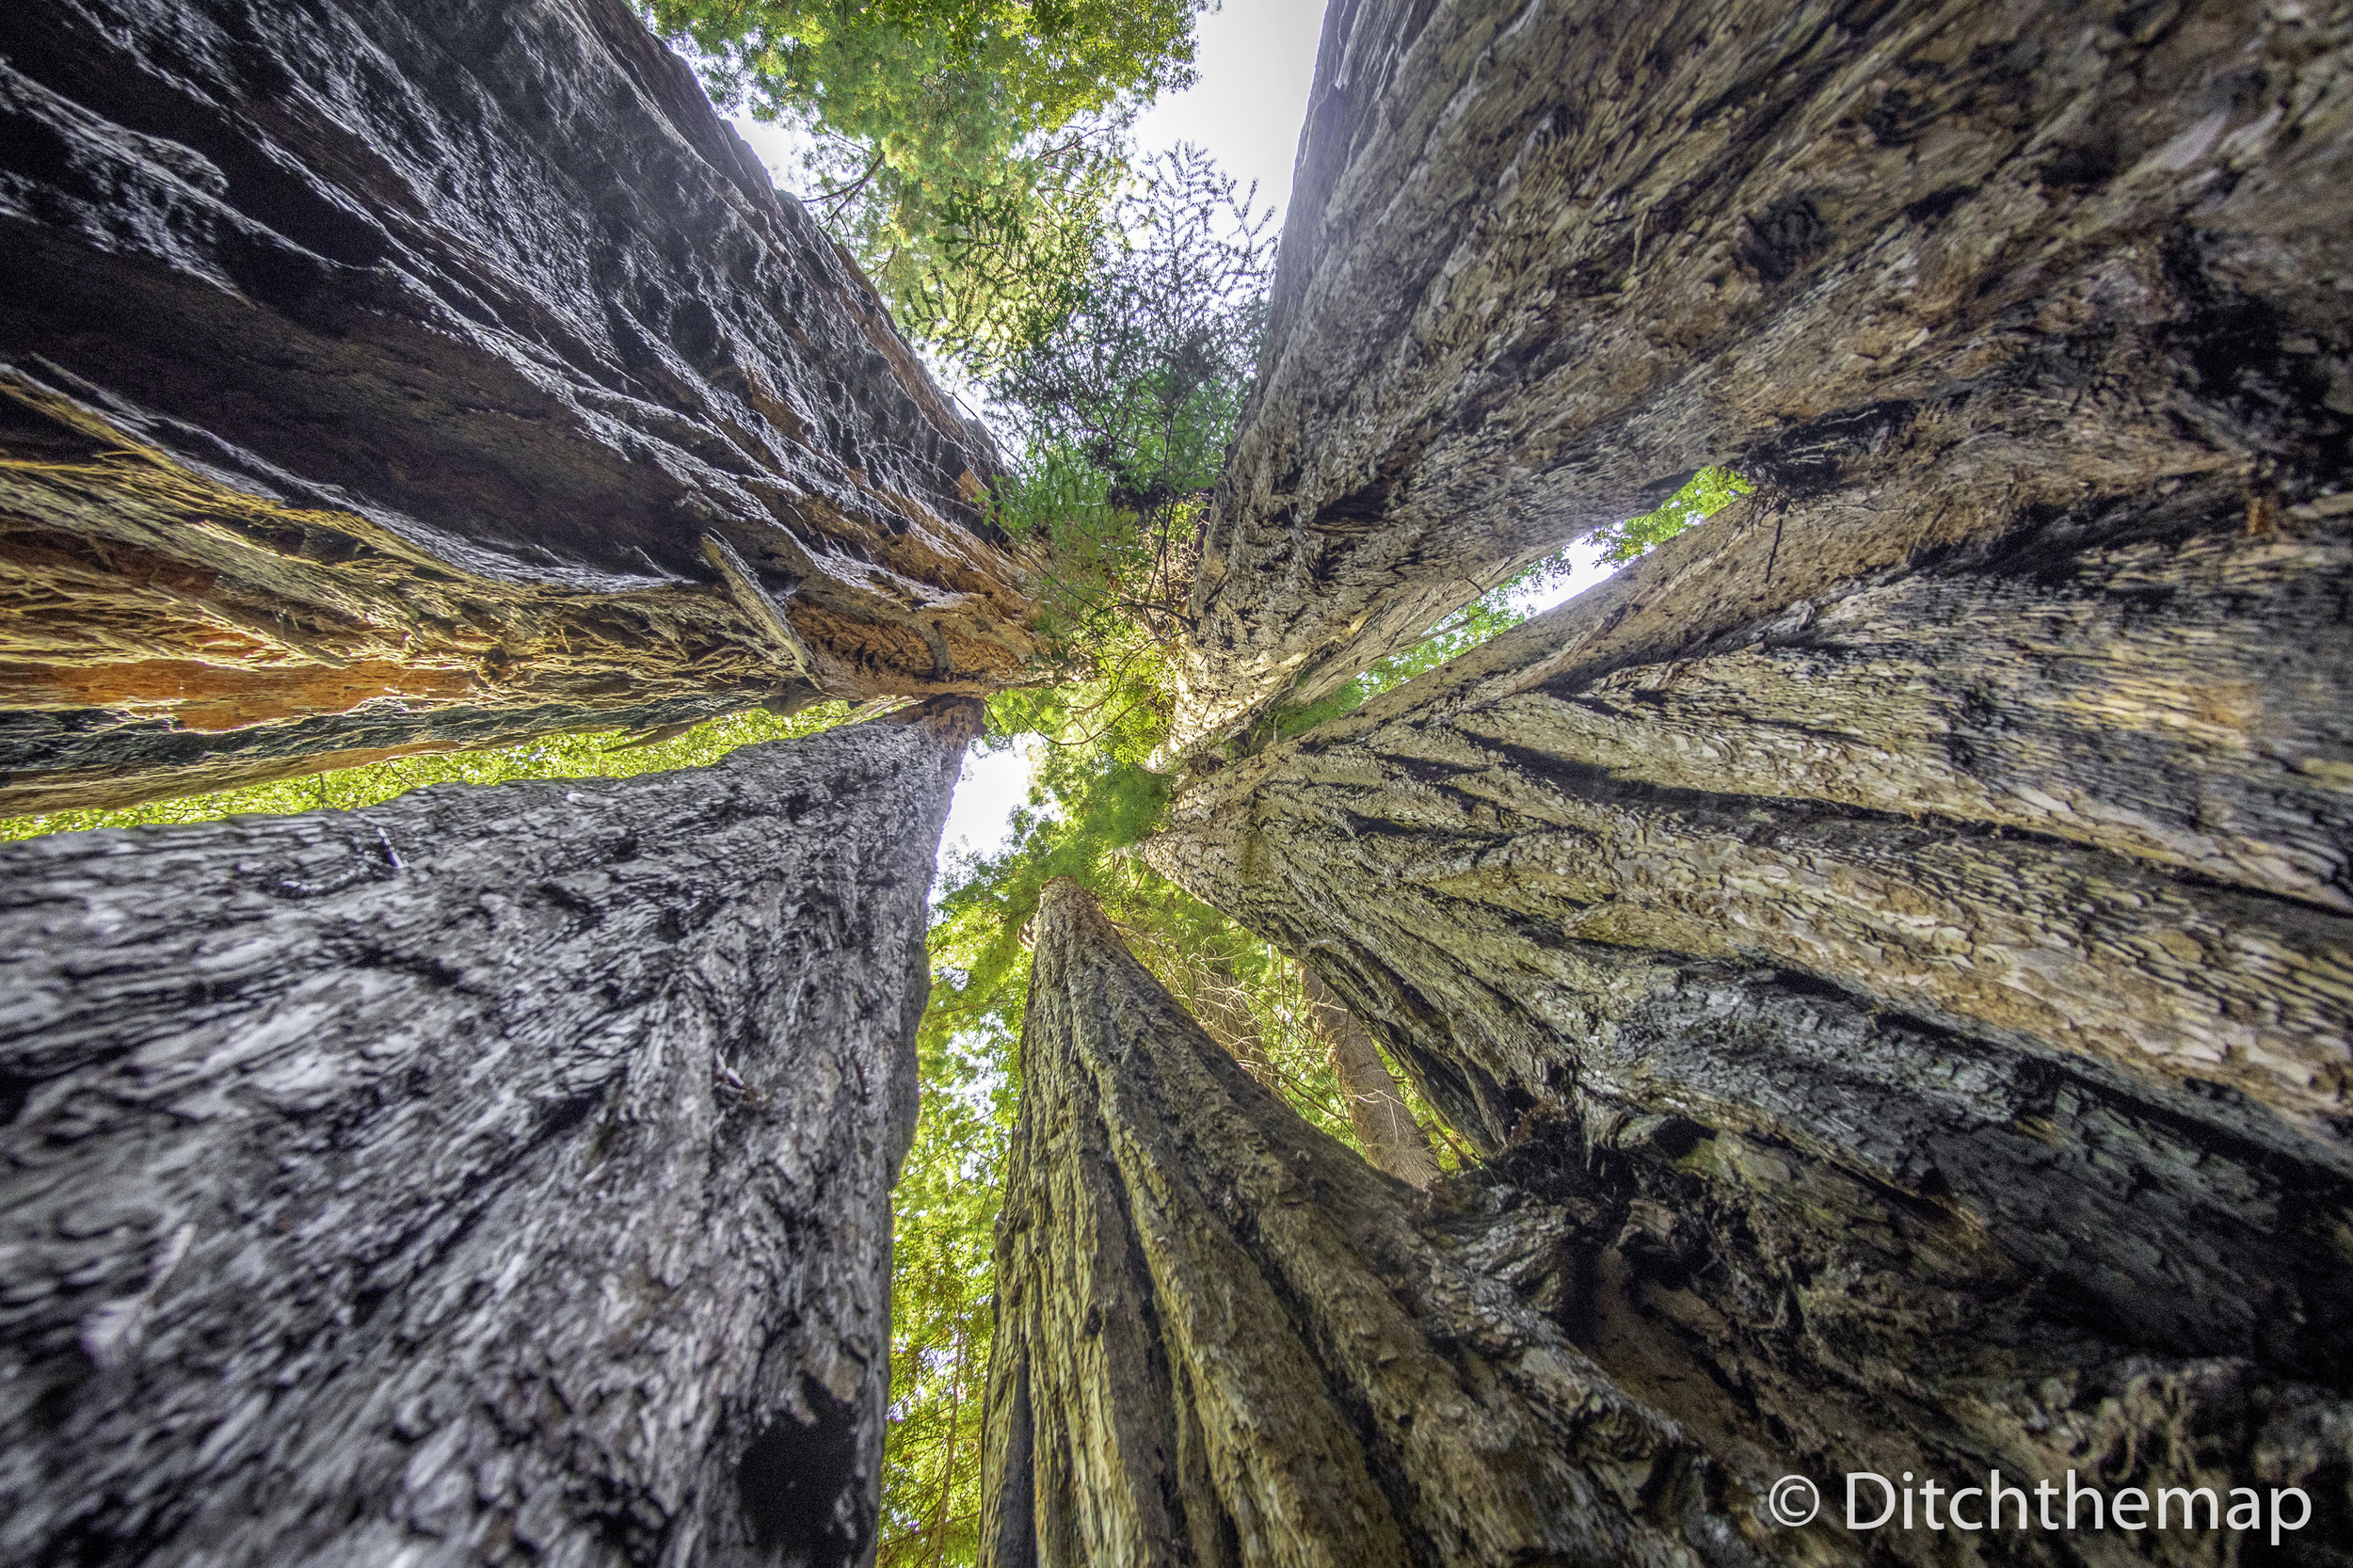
(994, 783)
(1257, 60)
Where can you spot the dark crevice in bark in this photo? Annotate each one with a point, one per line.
(1599, 785)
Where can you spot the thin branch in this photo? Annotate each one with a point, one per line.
(836, 197)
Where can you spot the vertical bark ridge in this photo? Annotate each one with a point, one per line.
(1222, 1338)
(497, 1174)
(1940, 982)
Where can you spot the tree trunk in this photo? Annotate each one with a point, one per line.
(1543, 261)
(401, 374)
(1392, 1140)
(1912, 912)
(1222, 1338)
(498, 1175)
(1945, 976)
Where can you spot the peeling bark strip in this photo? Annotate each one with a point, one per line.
(493, 1176)
(1547, 259)
(474, 298)
(1223, 1339)
(165, 633)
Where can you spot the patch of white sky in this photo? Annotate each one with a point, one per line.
(1255, 60)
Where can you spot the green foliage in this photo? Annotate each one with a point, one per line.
(602, 755)
(1706, 493)
(966, 151)
(1125, 408)
(1091, 802)
(942, 1309)
(1493, 612)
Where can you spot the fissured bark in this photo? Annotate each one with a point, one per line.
(1939, 977)
(1223, 1338)
(1546, 260)
(499, 1174)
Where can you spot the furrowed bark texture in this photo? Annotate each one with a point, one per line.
(499, 1174)
(1222, 1338)
(1941, 978)
(1392, 1140)
(384, 375)
(1547, 259)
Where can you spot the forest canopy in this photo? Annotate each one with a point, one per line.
(967, 152)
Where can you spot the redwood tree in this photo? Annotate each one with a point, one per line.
(1544, 261)
(404, 374)
(1942, 980)
(1914, 909)
(499, 1174)
(1223, 1338)
(1390, 1137)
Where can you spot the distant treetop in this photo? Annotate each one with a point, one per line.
(966, 151)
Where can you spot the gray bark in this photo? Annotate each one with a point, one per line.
(408, 374)
(1906, 923)
(1944, 978)
(1544, 260)
(1222, 1338)
(1392, 1140)
(498, 1175)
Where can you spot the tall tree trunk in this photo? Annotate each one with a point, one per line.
(1392, 1140)
(1222, 1338)
(1948, 977)
(1544, 260)
(499, 1174)
(400, 374)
